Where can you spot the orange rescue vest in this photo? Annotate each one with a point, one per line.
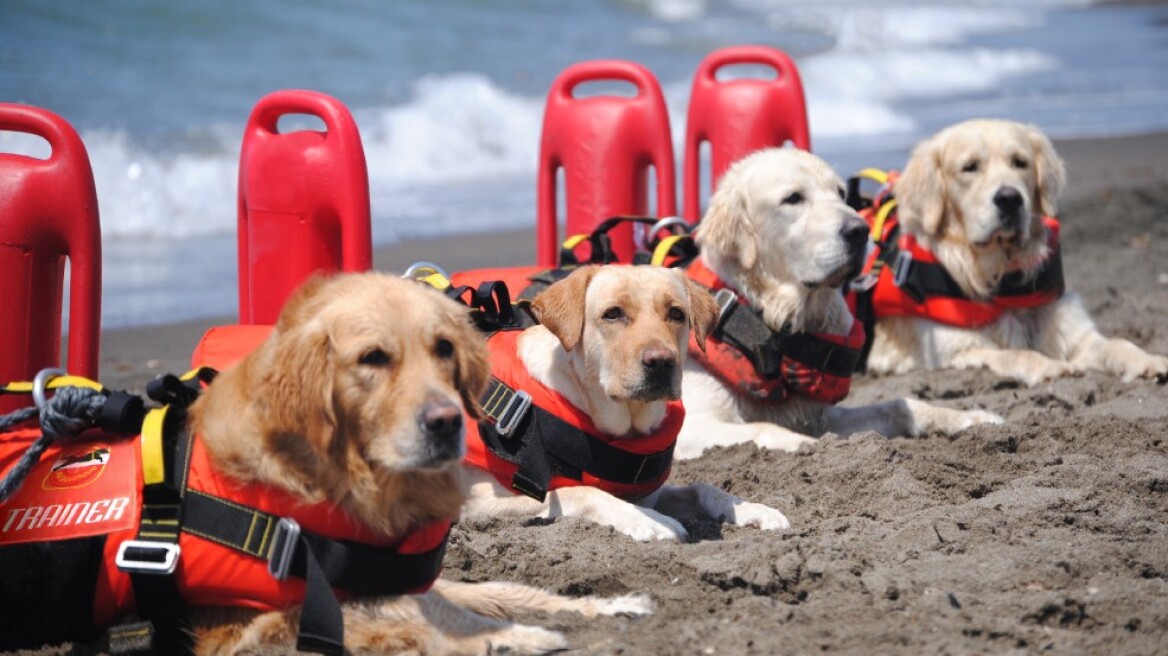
(574, 450)
(910, 281)
(767, 365)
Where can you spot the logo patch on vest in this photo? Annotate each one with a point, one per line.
(75, 490)
(77, 467)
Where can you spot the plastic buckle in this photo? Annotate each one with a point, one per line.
(284, 540)
(726, 300)
(148, 558)
(900, 267)
(513, 413)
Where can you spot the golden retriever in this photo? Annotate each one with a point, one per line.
(974, 194)
(356, 399)
(779, 233)
(612, 342)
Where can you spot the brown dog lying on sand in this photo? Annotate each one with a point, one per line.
(348, 418)
(606, 361)
(978, 197)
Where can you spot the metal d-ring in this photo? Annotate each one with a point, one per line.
(425, 268)
(41, 382)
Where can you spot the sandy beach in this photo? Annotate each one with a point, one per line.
(1046, 534)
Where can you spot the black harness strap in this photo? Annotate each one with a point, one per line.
(544, 445)
(357, 568)
(921, 280)
(744, 328)
(146, 558)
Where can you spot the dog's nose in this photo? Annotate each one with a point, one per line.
(855, 233)
(1008, 200)
(658, 360)
(441, 420)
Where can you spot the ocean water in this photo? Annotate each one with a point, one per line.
(448, 96)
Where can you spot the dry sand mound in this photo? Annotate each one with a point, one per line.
(1045, 534)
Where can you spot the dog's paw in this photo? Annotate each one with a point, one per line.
(643, 525)
(1047, 371)
(781, 440)
(756, 515)
(524, 639)
(969, 418)
(1145, 366)
(630, 605)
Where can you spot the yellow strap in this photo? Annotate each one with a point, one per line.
(153, 467)
(23, 387)
(881, 218)
(877, 175)
(437, 281)
(572, 242)
(663, 248)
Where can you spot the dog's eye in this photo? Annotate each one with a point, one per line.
(374, 358)
(676, 314)
(1019, 162)
(613, 314)
(444, 348)
(970, 166)
(843, 193)
(794, 198)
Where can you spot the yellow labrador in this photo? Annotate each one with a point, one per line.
(612, 343)
(779, 233)
(974, 195)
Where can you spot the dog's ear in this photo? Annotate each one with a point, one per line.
(727, 226)
(472, 366)
(920, 192)
(561, 306)
(304, 301)
(703, 312)
(1050, 172)
(303, 373)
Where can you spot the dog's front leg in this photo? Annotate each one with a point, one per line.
(487, 498)
(902, 418)
(502, 599)
(675, 501)
(1067, 331)
(423, 623)
(1029, 367)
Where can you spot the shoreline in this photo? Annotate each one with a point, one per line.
(130, 357)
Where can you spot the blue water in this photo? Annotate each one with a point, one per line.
(448, 95)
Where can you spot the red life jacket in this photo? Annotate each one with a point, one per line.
(815, 366)
(910, 281)
(99, 491)
(629, 467)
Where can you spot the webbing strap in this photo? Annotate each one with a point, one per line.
(357, 568)
(57, 382)
(145, 558)
(544, 445)
(744, 328)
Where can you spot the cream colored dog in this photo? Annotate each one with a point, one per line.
(779, 233)
(974, 195)
(612, 343)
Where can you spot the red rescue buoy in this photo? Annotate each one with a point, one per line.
(738, 117)
(605, 145)
(303, 201)
(48, 212)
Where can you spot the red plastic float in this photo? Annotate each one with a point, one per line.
(740, 116)
(303, 201)
(605, 145)
(48, 212)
